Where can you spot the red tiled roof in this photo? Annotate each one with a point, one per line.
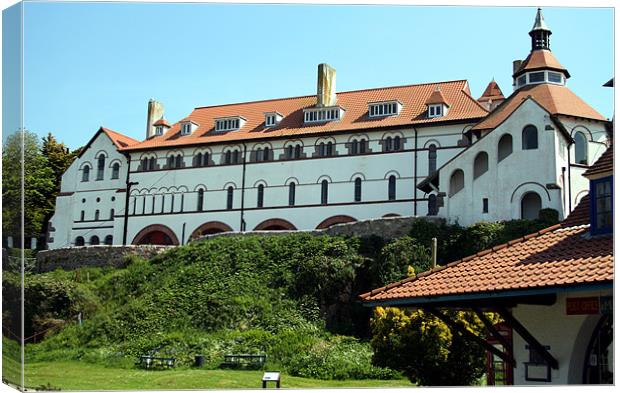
(437, 98)
(556, 256)
(580, 214)
(162, 122)
(120, 140)
(413, 98)
(492, 92)
(604, 164)
(556, 99)
(540, 59)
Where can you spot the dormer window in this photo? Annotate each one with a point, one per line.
(272, 119)
(188, 127)
(320, 115)
(229, 123)
(159, 130)
(601, 206)
(435, 110)
(386, 108)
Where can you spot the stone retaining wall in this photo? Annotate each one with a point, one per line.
(92, 256)
(74, 257)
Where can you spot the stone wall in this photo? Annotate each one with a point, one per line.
(92, 256)
(74, 257)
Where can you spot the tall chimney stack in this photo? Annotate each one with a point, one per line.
(326, 86)
(516, 65)
(155, 112)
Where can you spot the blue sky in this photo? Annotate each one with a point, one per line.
(93, 64)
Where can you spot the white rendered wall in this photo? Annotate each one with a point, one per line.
(567, 335)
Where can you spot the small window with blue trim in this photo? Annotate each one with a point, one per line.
(601, 220)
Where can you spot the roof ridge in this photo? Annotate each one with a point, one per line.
(341, 92)
(465, 259)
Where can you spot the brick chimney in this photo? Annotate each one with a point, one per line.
(516, 65)
(155, 112)
(326, 86)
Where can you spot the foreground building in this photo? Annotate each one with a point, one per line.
(553, 289)
(315, 161)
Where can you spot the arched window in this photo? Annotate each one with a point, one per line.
(330, 149)
(354, 146)
(85, 173)
(387, 144)
(481, 164)
(205, 159)
(96, 215)
(324, 186)
(144, 164)
(530, 138)
(100, 166)
(432, 205)
(291, 194)
(201, 200)
(94, 240)
(260, 196)
(229, 198)
(530, 206)
(116, 168)
(235, 157)
(289, 151)
(228, 157)
(581, 149)
(362, 146)
(111, 214)
(108, 240)
(504, 147)
(432, 159)
(198, 159)
(392, 188)
(297, 151)
(179, 161)
(457, 181)
(358, 189)
(152, 163)
(170, 163)
(259, 154)
(396, 143)
(321, 149)
(79, 241)
(266, 154)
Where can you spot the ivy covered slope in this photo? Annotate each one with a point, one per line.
(227, 295)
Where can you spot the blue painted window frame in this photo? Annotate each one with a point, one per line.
(594, 230)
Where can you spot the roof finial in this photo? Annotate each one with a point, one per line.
(539, 22)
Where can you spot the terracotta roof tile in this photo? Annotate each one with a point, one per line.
(463, 108)
(492, 92)
(604, 164)
(580, 214)
(552, 257)
(556, 99)
(437, 97)
(162, 122)
(539, 59)
(120, 140)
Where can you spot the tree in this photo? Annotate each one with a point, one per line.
(398, 258)
(37, 182)
(424, 348)
(59, 158)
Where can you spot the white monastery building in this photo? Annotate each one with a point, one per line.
(314, 161)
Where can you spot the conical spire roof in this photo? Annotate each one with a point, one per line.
(539, 22)
(492, 92)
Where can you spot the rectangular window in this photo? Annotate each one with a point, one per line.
(435, 110)
(383, 109)
(485, 205)
(554, 77)
(537, 77)
(321, 115)
(602, 206)
(228, 124)
(521, 81)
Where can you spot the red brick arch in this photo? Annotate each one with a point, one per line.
(156, 234)
(341, 219)
(209, 228)
(275, 224)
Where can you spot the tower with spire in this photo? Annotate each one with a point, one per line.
(540, 66)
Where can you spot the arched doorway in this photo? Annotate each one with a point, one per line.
(275, 224)
(530, 206)
(341, 219)
(599, 359)
(157, 235)
(210, 228)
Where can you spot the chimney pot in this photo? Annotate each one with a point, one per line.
(516, 65)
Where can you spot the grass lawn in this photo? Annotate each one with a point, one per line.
(73, 375)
